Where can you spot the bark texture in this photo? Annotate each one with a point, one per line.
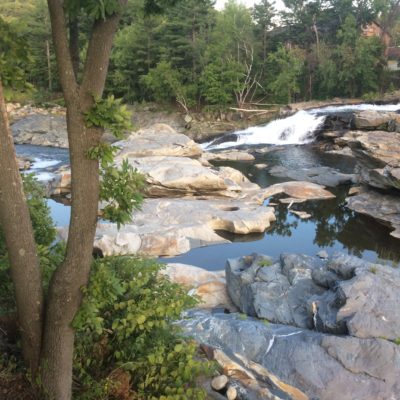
(18, 232)
(65, 287)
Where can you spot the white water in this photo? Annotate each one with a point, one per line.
(42, 164)
(299, 128)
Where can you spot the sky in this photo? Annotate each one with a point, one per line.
(220, 3)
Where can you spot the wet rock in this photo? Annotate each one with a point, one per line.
(299, 190)
(320, 175)
(384, 208)
(293, 363)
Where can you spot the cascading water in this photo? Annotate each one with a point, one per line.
(296, 129)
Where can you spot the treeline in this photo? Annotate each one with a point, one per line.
(197, 56)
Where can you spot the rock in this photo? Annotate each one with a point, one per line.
(301, 214)
(231, 393)
(261, 166)
(209, 286)
(23, 163)
(374, 120)
(43, 130)
(190, 275)
(273, 292)
(158, 140)
(219, 382)
(384, 208)
(178, 176)
(323, 254)
(60, 182)
(381, 147)
(346, 295)
(378, 153)
(293, 363)
(320, 175)
(299, 190)
(355, 190)
(162, 227)
(232, 155)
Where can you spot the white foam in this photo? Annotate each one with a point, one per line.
(41, 164)
(44, 176)
(299, 128)
(296, 129)
(356, 107)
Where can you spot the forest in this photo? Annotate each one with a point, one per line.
(196, 56)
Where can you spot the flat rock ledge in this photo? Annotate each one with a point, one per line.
(168, 227)
(324, 329)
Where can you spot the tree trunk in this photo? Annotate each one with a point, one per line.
(74, 44)
(49, 66)
(65, 294)
(24, 262)
(65, 287)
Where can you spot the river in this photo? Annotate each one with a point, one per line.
(288, 143)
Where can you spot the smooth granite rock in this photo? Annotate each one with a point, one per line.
(320, 175)
(384, 208)
(301, 364)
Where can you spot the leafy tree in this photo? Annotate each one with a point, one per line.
(263, 14)
(286, 66)
(46, 331)
(219, 82)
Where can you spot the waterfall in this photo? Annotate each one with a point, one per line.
(299, 128)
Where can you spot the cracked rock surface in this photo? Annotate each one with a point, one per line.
(329, 328)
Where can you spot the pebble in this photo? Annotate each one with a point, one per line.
(219, 382)
(231, 393)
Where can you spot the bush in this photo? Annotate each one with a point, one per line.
(127, 346)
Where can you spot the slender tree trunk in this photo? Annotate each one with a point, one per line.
(49, 66)
(65, 288)
(74, 44)
(65, 294)
(24, 262)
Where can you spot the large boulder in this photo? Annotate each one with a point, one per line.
(346, 295)
(158, 140)
(385, 208)
(42, 130)
(375, 120)
(320, 175)
(328, 331)
(301, 364)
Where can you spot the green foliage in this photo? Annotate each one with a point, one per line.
(121, 188)
(109, 113)
(125, 327)
(13, 54)
(287, 65)
(219, 82)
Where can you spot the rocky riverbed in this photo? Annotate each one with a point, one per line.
(308, 327)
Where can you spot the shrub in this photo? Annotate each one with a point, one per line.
(127, 346)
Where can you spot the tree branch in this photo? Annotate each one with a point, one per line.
(60, 39)
(98, 56)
